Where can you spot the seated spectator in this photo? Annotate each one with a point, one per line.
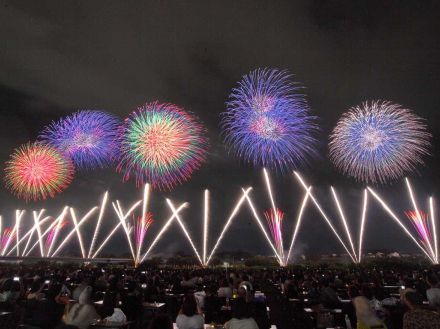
(366, 318)
(83, 313)
(225, 290)
(131, 303)
(47, 313)
(112, 313)
(433, 293)
(161, 321)
(417, 317)
(35, 291)
(190, 316)
(241, 316)
(78, 290)
(328, 296)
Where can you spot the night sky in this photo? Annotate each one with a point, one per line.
(60, 56)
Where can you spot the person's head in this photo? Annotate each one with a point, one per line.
(241, 309)
(189, 305)
(413, 299)
(161, 321)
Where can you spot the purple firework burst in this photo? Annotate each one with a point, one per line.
(378, 141)
(87, 137)
(267, 121)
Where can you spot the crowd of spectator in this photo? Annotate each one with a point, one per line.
(47, 297)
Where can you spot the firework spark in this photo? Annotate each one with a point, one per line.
(161, 144)
(399, 222)
(141, 226)
(50, 237)
(36, 171)
(275, 220)
(8, 234)
(378, 141)
(87, 137)
(267, 121)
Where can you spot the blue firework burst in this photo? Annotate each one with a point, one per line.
(267, 121)
(378, 141)
(87, 137)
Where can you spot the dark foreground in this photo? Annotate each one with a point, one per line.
(56, 296)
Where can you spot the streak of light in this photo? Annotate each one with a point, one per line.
(298, 222)
(228, 222)
(325, 217)
(163, 230)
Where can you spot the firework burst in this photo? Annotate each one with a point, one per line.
(378, 141)
(275, 220)
(87, 137)
(7, 237)
(267, 121)
(37, 171)
(141, 227)
(161, 144)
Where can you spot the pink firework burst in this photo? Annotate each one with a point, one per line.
(421, 225)
(141, 227)
(37, 171)
(275, 221)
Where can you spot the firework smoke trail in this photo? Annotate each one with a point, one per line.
(170, 204)
(36, 171)
(361, 231)
(393, 216)
(275, 221)
(324, 216)
(161, 144)
(434, 228)
(164, 228)
(228, 222)
(75, 229)
(298, 222)
(59, 222)
(344, 221)
(87, 137)
(123, 219)
(98, 224)
(267, 121)
(378, 141)
(422, 222)
(205, 224)
(112, 232)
